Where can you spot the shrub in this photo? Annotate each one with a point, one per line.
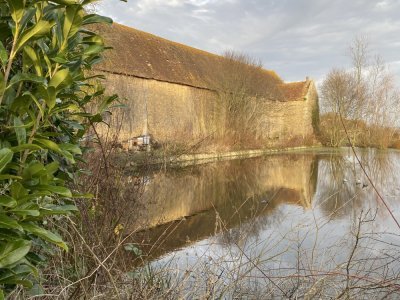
(44, 52)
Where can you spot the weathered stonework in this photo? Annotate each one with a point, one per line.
(171, 111)
(184, 107)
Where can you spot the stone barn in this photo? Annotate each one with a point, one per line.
(171, 92)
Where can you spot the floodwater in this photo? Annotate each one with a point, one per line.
(285, 225)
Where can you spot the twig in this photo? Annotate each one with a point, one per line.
(365, 172)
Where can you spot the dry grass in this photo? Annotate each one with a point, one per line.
(360, 134)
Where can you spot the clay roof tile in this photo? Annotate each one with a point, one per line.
(141, 54)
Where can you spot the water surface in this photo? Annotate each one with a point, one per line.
(276, 226)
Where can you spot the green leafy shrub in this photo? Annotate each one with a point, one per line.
(46, 48)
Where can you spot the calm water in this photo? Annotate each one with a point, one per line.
(305, 224)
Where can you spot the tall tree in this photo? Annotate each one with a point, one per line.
(365, 94)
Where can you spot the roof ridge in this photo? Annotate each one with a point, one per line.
(145, 55)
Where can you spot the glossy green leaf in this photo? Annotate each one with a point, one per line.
(65, 2)
(29, 13)
(33, 170)
(49, 95)
(58, 210)
(18, 274)
(75, 149)
(7, 222)
(35, 100)
(21, 77)
(48, 62)
(6, 156)
(106, 102)
(68, 156)
(17, 280)
(34, 197)
(7, 201)
(2, 84)
(47, 144)
(75, 125)
(72, 23)
(9, 235)
(39, 29)
(3, 54)
(8, 176)
(35, 59)
(20, 131)
(93, 50)
(16, 9)
(86, 2)
(61, 79)
(45, 234)
(97, 118)
(94, 39)
(26, 212)
(94, 18)
(21, 104)
(60, 190)
(59, 59)
(24, 147)
(18, 191)
(51, 168)
(12, 252)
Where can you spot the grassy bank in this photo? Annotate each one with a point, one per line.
(136, 160)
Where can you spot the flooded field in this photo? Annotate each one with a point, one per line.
(304, 225)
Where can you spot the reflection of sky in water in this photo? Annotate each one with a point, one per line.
(294, 239)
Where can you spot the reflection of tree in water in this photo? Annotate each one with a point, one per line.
(252, 229)
(338, 192)
(344, 190)
(380, 165)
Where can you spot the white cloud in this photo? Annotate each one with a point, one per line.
(201, 14)
(145, 6)
(199, 2)
(383, 5)
(295, 37)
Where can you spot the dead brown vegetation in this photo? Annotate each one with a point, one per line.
(365, 99)
(361, 134)
(241, 85)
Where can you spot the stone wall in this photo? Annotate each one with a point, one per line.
(284, 120)
(171, 112)
(179, 113)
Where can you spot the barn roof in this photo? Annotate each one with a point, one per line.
(141, 54)
(293, 91)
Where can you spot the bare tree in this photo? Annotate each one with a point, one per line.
(365, 96)
(241, 84)
(338, 96)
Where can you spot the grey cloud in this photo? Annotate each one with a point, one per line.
(294, 37)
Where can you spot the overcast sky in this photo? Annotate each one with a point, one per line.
(296, 38)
